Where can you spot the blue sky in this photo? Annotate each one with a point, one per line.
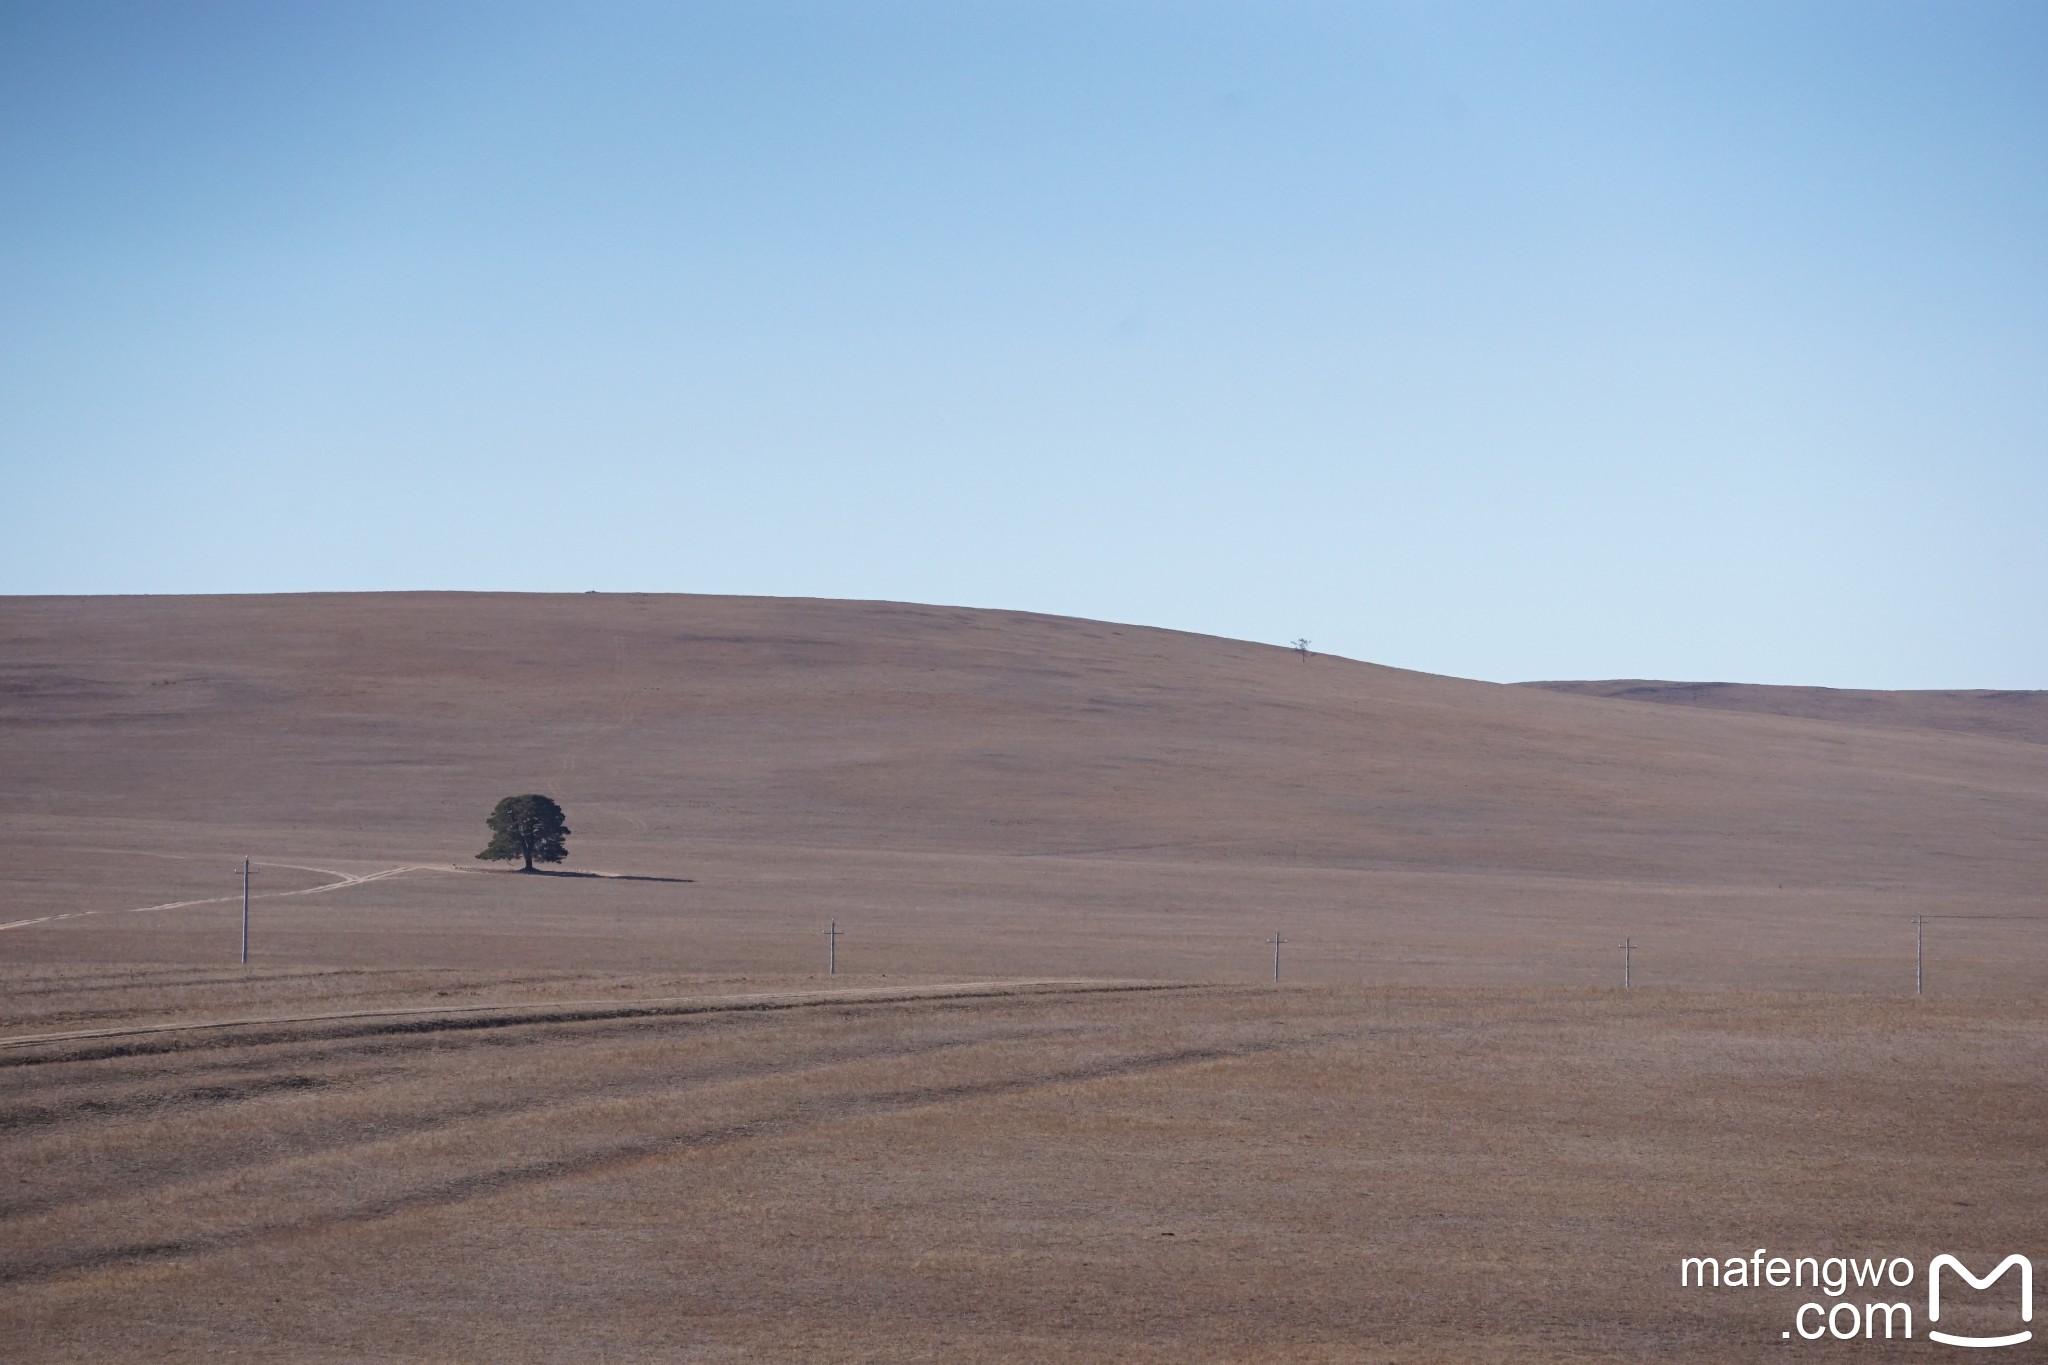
(1512, 341)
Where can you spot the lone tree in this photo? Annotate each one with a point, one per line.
(528, 827)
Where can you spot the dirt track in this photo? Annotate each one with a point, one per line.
(343, 880)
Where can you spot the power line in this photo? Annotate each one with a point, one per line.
(2026, 917)
(1920, 941)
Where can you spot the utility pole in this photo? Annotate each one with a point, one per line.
(832, 949)
(1628, 949)
(1919, 954)
(1277, 941)
(245, 874)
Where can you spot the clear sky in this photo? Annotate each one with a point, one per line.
(1687, 340)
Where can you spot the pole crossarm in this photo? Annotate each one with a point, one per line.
(2024, 917)
(1920, 940)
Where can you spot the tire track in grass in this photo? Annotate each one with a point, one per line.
(803, 1117)
(187, 1089)
(430, 1018)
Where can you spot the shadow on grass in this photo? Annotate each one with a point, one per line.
(592, 876)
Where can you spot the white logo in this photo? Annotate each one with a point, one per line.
(1934, 1298)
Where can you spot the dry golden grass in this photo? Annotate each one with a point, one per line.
(1447, 1137)
(1190, 1173)
(975, 793)
(1993, 714)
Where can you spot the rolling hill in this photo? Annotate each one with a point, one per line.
(1997, 715)
(1053, 1106)
(952, 767)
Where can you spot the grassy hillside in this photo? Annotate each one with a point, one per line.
(931, 770)
(1996, 715)
(1053, 1107)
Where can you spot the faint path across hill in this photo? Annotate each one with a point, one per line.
(342, 882)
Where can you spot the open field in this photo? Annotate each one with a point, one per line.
(1993, 714)
(974, 793)
(1030, 1173)
(450, 1111)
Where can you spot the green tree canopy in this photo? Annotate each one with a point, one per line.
(529, 827)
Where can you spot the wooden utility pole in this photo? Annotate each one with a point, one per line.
(1920, 941)
(245, 874)
(832, 949)
(1628, 949)
(1277, 941)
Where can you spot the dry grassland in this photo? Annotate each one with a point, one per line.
(1037, 1173)
(1052, 1108)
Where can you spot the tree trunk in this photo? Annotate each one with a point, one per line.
(528, 851)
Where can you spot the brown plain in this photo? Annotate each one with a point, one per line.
(1053, 1106)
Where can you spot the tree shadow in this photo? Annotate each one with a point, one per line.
(594, 876)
